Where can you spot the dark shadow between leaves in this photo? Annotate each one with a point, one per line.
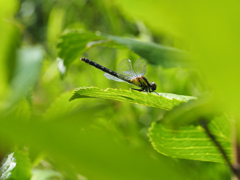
(75, 96)
(127, 98)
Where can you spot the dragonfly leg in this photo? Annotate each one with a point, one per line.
(143, 87)
(152, 91)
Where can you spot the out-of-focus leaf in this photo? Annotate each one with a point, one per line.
(95, 153)
(22, 110)
(60, 107)
(9, 38)
(55, 24)
(191, 142)
(154, 53)
(16, 166)
(38, 174)
(149, 12)
(73, 43)
(164, 101)
(29, 61)
(190, 112)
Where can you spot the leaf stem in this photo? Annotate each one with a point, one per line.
(234, 170)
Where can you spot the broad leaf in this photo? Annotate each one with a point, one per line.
(191, 142)
(164, 101)
(154, 53)
(73, 43)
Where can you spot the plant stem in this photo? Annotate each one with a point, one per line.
(234, 170)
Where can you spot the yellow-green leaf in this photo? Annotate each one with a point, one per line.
(191, 142)
(164, 101)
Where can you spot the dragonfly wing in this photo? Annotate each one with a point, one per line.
(125, 68)
(112, 77)
(140, 67)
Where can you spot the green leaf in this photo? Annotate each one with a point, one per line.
(91, 151)
(16, 166)
(154, 53)
(191, 142)
(164, 101)
(73, 43)
(54, 27)
(29, 61)
(39, 174)
(59, 108)
(9, 38)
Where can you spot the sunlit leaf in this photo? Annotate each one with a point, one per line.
(164, 101)
(191, 142)
(54, 28)
(7, 166)
(16, 166)
(39, 174)
(8, 36)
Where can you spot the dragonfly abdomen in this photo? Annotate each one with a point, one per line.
(96, 65)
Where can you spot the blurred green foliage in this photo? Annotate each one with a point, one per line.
(192, 50)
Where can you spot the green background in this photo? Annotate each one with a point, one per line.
(192, 50)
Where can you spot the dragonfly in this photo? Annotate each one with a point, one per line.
(125, 73)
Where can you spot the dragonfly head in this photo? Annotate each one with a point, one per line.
(153, 86)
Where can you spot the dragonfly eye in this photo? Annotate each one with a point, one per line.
(153, 85)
